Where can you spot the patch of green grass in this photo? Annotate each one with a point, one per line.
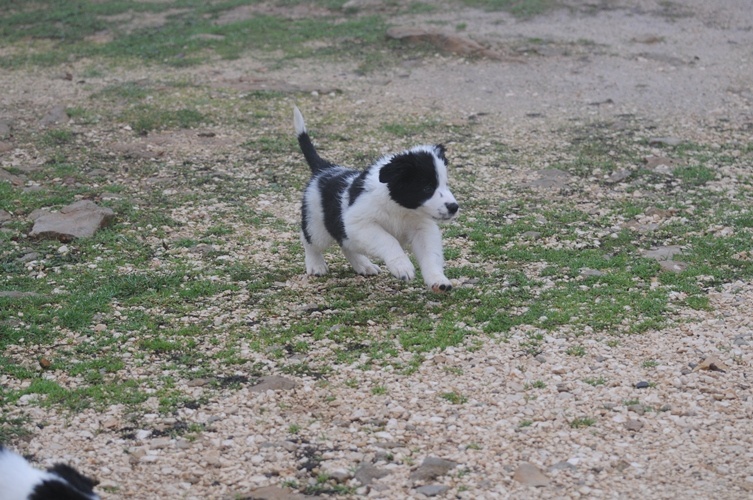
(581, 422)
(454, 398)
(379, 390)
(595, 381)
(144, 119)
(694, 175)
(576, 350)
(56, 137)
(187, 36)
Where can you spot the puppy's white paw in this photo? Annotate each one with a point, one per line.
(317, 269)
(441, 287)
(402, 269)
(368, 269)
(361, 264)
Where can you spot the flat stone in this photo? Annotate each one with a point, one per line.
(5, 216)
(674, 266)
(274, 383)
(530, 475)
(367, 473)
(663, 253)
(432, 490)
(550, 178)
(5, 129)
(634, 425)
(712, 363)
(618, 176)
(590, 273)
(14, 179)
(54, 116)
(431, 468)
(78, 220)
(272, 493)
(664, 141)
(13, 294)
(660, 164)
(450, 44)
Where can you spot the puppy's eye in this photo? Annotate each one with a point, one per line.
(428, 189)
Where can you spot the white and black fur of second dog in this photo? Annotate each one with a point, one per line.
(20, 481)
(395, 203)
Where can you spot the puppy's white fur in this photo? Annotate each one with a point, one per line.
(375, 221)
(19, 480)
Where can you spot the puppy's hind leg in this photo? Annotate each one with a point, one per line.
(315, 264)
(361, 263)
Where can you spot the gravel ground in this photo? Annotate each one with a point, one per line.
(681, 427)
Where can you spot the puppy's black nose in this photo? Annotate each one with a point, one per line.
(452, 208)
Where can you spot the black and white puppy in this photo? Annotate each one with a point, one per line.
(394, 203)
(21, 481)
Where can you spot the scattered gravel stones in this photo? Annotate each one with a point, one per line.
(530, 475)
(78, 220)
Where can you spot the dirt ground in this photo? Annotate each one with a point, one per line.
(685, 68)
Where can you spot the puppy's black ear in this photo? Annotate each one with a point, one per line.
(440, 149)
(396, 169)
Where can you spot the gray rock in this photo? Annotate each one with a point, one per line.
(450, 44)
(661, 164)
(56, 115)
(14, 179)
(273, 493)
(674, 266)
(78, 220)
(618, 176)
(5, 128)
(664, 141)
(5, 216)
(550, 178)
(530, 475)
(590, 273)
(562, 465)
(274, 383)
(431, 468)
(29, 257)
(367, 473)
(432, 490)
(634, 425)
(663, 253)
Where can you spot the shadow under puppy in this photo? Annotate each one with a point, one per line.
(394, 203)
(20, 481)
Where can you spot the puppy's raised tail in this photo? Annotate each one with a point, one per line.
(316, 162)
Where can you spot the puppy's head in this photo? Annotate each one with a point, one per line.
(417, 179)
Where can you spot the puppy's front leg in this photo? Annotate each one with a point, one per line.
(427, 246)
(373, 240)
